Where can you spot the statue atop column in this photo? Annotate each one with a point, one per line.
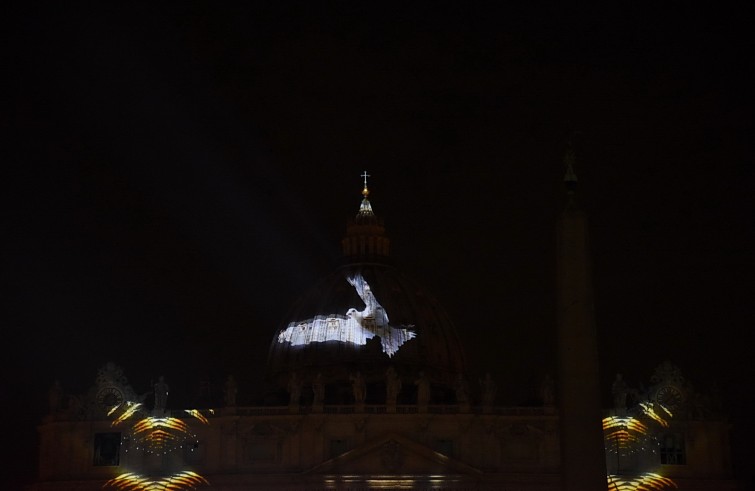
(489, 390)
(548, 390)
(423, 389)
(462, 391)
(231, 389)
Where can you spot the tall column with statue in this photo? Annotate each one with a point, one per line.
(582, 447)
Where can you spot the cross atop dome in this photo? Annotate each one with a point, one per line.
(365, 191)
(365, 234)
(365, 209)
(570, 177)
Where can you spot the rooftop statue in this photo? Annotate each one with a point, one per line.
(392, 384)
(231, 389)
(359, 387)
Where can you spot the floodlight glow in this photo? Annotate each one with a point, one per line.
(160, 436)
(625, 435)
(197, 414)
(175, 482)
(635, 433)
(129, 409)
(356, 327)
(649, 410)
(646, 482)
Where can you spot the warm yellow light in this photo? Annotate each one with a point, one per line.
(129, 409)
(649, 410)
(156, 435)
(197, 414)
(160, 435)
(625, 434)
(645, 482)
(179, 481)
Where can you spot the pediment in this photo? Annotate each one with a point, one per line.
(394, 454)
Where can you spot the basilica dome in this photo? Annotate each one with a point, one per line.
(365, 317)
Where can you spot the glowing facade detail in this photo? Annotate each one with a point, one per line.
(625, 435)
(645, 482)
(180, 480)
(356, 327)
(636, 433)
(159, 436)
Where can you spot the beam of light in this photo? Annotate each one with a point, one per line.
(128, 409)
(666, 410)
(648, 409)
(406, 482)
(625, 435)
(198, 414)
(160, 435)
(645, 482)
(153, 423)
(156, 435)
(153, 434)
(388, 481)
(130, 481)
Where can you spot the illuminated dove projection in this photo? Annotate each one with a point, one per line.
(356, 327)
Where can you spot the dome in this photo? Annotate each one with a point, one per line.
(363, 318)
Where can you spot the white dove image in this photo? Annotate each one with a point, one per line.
(356, 327)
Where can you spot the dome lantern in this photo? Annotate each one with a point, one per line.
(365, 238)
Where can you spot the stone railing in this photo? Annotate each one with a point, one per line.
(383, 409)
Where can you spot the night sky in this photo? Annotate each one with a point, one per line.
(178, 175)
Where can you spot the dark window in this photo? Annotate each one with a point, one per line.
(107, 449)
(672, 449)
(444, 446)
(193, 452)
(337, 447)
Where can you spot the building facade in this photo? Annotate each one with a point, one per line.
(367, 389)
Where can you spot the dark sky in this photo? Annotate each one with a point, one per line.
(179, 174)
